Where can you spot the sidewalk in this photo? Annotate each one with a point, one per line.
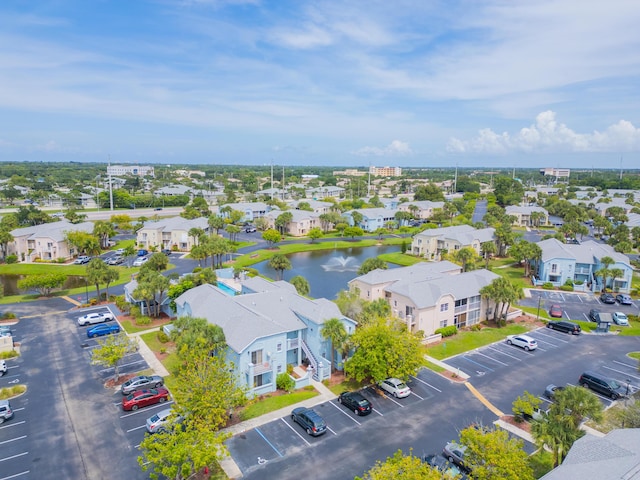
(146, 353)
(229, 466)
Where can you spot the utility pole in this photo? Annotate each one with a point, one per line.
(110, 184)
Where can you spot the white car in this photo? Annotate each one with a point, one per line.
(119, 251)
(97, 317)
(522, 341)
(620, 318)
(140, 261)
(395, 387)
(160, 421)
(3, 367)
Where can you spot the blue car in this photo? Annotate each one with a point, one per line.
(104, 329)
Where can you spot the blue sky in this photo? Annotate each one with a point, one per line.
(403, 83)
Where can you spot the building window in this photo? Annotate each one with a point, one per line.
(279, 368)
(444, 307)
(443, 323)
(256, 357)
(279, 347)
(554, 267)
(258, 381)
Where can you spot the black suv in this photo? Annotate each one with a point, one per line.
(308, 419)
(594, 315)
(604, 385)
(356, 402)
(565, 326)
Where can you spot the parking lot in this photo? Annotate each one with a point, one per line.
(67, 425)
(283, 437)
(575, 305)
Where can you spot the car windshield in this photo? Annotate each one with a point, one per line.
(613, 384)
(130, 396)
(155, 418)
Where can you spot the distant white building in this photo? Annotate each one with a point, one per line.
(385, 171)
(555, 172)
(138, 170)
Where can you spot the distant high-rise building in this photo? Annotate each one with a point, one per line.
(385, 171)
(140, 171)
(555, 172)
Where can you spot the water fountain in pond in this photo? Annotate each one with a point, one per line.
(341, 264)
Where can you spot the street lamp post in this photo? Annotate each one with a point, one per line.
(86, 289)
(539, 301)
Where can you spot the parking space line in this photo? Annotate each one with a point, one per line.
(4, 377)
(427, 384)
(15, 475)
(586, 317)
(18, 409)
(329, 428)
(477, 363)
(545, 342)
(555, 337)
(13, 439)
(634, 367)
(620, 371)
(497, 350)
(414, 393)
(483, 400)
(388, 397)
(136, 428)
(601, 397)
(268, 442)
(13, 424)
(376, 411)
(341, 410)
(545, 399)
(13, 456)
(294, 431)
(124, 365)
(492, 359)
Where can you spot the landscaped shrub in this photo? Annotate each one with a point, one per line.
(447, 331)
(567, 288)
(476, 328)
(289, 369)
(578, 282)
(143, 320)
(524, 406)
(9, 354)
(134, 311)
(569, 282)
(8, 315)
(285, 382)
(163, 337)
(548, 286)
(12, 258)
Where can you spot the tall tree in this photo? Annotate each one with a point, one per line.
(103, 230)
(301, 284)
(401, 467)
(372, 263)
(112, 350)
(334, 331)
(604, 271)
(489, 249)
(97, 272)
(280, 263)
(467, 256)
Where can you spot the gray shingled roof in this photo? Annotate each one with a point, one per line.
(614, 456)
(54, 230)
(419, 271)
(586, 252)
(427, 292)
(463, 234)
(170, 224)
(245, 318)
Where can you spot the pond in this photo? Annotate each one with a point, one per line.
(328, 271)
(9, 283)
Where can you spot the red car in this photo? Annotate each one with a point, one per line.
(143, 398)
(555, 311)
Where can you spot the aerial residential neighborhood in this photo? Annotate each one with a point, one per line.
(243, 239)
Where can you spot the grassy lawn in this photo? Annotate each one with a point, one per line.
(170, 361)
(541, 462)
(515, 275)
(270, 404)
(433, 366)
(131, 327)
(400, 258)
(346, 385)
(635, 355)
(469, 340)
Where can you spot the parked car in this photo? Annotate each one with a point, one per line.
(95, 317)
(309, 419)
(117, 260)
(555, 311)
(551, 391)
(395, 387)
(105, 329)
(455, 454)
(157, 209)
(565, 326)
(140, 261)
(522, 341)
(594, 315)
(82, 259)
(449, 469)
(3, 367)
(250, 229)
(162, 421)
(356, 402)
(140, 382)
(5, 329)
(144, 398)
(6, 413)
(602, 384)
(623, 299)
(143, 253)
(166, 251)
(620, 318)
(607, 298)
(119, 251)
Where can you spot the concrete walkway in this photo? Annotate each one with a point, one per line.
(229, 466)
(146, 353)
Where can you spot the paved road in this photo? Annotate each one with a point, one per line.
(480, 211)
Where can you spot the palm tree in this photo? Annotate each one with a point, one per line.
(103, 230)
(301, 284)
(557, 433)
(334, 331)
(466, 256)
(604, 271)
(615, 273)
(280, 263)
(489, 249)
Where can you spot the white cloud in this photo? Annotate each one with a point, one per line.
(546, 135)
(396, 148)
(311, 36)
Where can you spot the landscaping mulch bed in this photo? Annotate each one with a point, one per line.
(510, 419)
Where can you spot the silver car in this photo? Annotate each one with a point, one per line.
(141, 381)
(395, 387)
(522, 341)
(161, 421)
